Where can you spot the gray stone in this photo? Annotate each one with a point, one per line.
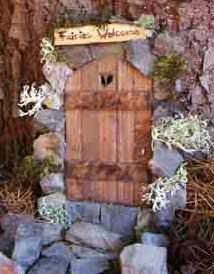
(85, 252)
(154, 239)
(55, 199)
(53, 182)
(165, 161)
(92, 265)
(139, 55)
(8, 266)
(168, 43)
(9, 223)
(54, 120)
(120, 219)
(208, 57)
(102, 50)
(27, 250)
(59, 249)
(51, 265)
(83, 211)
(164, 218)
(138, 259)
(49, 145)
(48, 232)
(179, 199)
(76, 56)
(93, 235)
(57, 74)
(54, 101)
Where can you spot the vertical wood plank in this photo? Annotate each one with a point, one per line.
(73, 83)
(90, 135)
(142, 138)
(125, 192)
(108, 66)
(141, 82)
(74, 189)
(107, 191)
(107, 135)
(125, 136)
(89, 77)
(125, 76)
(73, 135)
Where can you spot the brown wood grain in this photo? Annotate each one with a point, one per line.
(107, 135)
(73, 135)
(107, 132)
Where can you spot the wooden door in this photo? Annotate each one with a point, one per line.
(107, 132)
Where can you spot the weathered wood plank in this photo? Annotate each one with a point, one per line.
(125, 136)
(107, 71)
(113, 32)
(89, 77)
(125, 77)
(73, 135)
(103, 170)
(107, 136)
(107, 100)
(90, 135)
(74, 189)
(125, 193)
(142, 138)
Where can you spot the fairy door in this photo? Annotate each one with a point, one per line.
(108, 116)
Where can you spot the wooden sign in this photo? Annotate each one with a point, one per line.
(114, 32)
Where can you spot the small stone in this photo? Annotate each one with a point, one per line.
(139, 55)
(120, 219)
(165, 161)
(54, 182)
(154, 239)
(92, 265)
(83, 211)
(179, 199)
(164, 218)
(9, 223)
(168, 43)
(85, 252)
(8, 266)
(93, 235)
(208, 58)
(27, 251)
(55, 199)
(54, 120)
(51, 265)
(51, 146)
(59, 249)
(49, 232)
(138, 258)
(55, 101)
(76, 56)
(57, 74)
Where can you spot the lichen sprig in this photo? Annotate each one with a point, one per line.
(189, 133)
(159, 192)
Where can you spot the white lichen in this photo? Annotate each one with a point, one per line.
(54, 214)
(48, 51)
(160, 191)
(33, 97)
(187, 133)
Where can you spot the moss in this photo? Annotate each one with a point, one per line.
(169, 67)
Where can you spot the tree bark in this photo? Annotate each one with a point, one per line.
(23, 23)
